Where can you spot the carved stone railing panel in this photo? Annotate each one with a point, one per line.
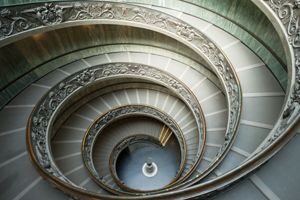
(94, 133)
(288, 12)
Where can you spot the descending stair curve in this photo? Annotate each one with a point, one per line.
(149, 100)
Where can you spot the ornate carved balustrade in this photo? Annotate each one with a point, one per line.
(21, 21)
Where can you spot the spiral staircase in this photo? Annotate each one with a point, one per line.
(150, 99)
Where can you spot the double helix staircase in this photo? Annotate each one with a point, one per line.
(85, 83)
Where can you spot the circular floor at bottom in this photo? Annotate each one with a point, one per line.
(132, 159)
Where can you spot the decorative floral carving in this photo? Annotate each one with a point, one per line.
(289, 13)
(10, 23)
(40, 120)
(231, 86)
(292, 109)
(5, 12)
(92, 11)
(87, 76)
(47, 14)
(186, 31)
(160, 20)
(140, 14)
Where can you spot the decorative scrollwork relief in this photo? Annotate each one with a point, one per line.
(186, 31)
(289, 14)
(47, 14)
(40, 121)
(92, 11)
(288, 11)
(11, 23)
